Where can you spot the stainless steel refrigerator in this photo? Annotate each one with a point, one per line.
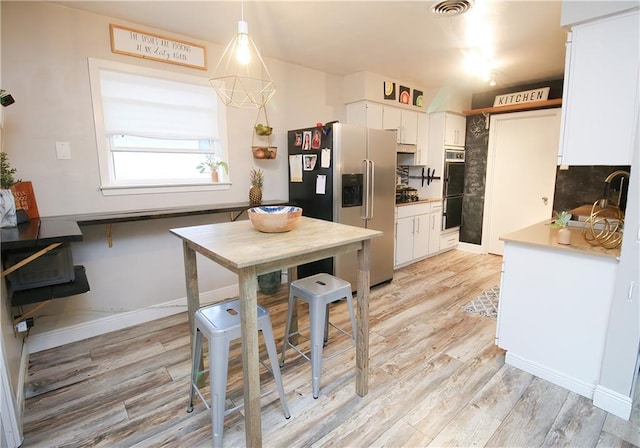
(347, 175)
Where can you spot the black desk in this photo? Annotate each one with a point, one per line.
(42, 236)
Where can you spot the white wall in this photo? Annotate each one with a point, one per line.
(44, 65)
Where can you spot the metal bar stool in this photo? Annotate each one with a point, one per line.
(318, 291)
(220, 324)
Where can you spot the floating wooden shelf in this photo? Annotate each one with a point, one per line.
(514, 107)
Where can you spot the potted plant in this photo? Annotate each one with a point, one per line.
(561, 222)
(7, 201)
(212, 164)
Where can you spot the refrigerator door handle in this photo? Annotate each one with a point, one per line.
(372, 182)
(365, 193)
(367, 203)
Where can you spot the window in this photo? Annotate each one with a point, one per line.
(153, 129)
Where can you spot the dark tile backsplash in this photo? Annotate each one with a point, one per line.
(582, 185)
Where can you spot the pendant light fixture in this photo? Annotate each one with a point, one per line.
(241, 78)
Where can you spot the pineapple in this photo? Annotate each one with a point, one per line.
(255, 193)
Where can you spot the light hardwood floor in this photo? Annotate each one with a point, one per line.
(436, 379)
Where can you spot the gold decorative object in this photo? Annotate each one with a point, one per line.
(601, 231)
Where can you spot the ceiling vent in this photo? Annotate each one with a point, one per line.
(449, 8)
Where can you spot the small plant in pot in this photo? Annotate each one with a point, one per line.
(561, 222)
(7, 201)
(212, 164)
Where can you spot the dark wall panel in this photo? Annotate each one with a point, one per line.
(476, 149)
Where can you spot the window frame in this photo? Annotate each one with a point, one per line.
(108, 185)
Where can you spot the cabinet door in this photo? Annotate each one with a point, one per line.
(404, 240)
(374, 116)
(408, 127)
(422, 137)
(364, 113)
(422, 227)
(391, 119)
(455, 129)
(357, 113)
(600, 92)
(435, 224)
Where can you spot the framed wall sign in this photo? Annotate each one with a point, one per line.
(145, 45)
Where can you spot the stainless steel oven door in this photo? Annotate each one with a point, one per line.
(452, 212)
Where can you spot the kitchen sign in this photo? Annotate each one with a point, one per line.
(158, 48)
(526, 96)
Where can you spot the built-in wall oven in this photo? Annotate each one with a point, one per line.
(453, 188)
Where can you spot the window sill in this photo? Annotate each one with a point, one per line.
(114, 190)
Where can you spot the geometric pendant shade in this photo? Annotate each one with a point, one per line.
(241, 78)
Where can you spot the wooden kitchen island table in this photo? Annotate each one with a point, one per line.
(239, 247)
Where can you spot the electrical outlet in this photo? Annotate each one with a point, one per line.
(21, 326)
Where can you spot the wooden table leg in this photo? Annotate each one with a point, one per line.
(362, 320)
(193, 297)
(292, 274)
(191, 279)
(248, 283)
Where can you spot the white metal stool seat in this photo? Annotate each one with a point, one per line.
(318, 291)
(220, 324)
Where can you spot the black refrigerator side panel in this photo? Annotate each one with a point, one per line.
(303, 194)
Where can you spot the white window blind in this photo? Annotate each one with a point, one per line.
(159, 108)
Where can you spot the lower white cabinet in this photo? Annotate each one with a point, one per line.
(417, 232)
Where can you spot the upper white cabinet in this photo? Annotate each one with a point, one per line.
(392, 119)
(421, 155)
(408, 127)
(600, 91)
(377, 116)
(366, 114)
(447, 129)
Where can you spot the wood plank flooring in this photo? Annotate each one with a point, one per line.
(436, 379)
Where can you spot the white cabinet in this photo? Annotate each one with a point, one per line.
(405, 121)
(408, 127)
(600, 91)
(435, 224)
(421, 156)
(404, 241)
(417, 232)
(454, 129)
(565, 346)
(447, 129)
(364, 113)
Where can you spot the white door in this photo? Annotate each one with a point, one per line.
(521, 173)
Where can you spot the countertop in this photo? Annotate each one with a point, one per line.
(419, 201)
(543, 235)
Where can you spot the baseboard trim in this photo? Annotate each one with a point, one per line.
(613, 402)
(469, 247)
(573, 384)
(55, 338)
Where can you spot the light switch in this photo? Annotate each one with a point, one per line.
(63, 150)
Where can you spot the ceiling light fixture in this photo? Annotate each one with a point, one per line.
(241, 78)
(449, 8)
